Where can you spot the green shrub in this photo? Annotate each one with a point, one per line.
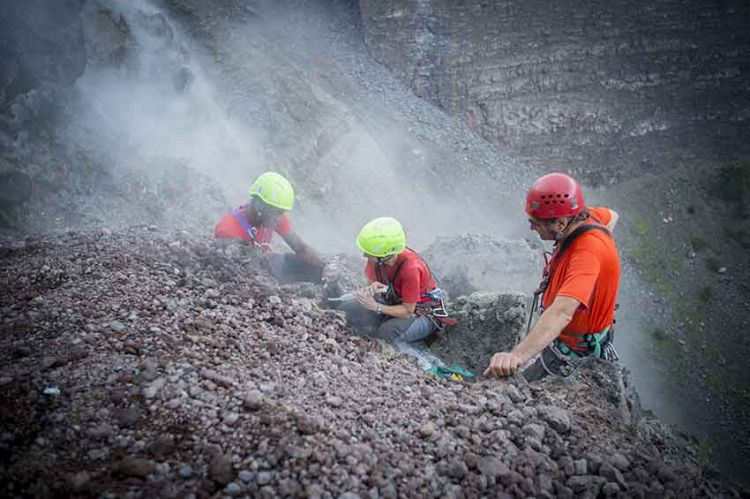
(706, 293)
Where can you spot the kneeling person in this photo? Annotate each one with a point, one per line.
(271, 198)
(401, 302)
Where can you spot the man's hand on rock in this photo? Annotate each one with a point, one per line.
(504, 364)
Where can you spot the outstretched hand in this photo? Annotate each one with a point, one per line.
(504, 364)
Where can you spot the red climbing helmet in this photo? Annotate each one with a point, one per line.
(554, 195)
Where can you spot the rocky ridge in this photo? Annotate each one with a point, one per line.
(149, 363)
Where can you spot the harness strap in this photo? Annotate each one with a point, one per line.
(592, 342)
(245, 223)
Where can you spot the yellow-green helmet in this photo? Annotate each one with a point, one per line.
(274, 190)
(382, 237)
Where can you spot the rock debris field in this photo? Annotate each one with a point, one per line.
(148, 363)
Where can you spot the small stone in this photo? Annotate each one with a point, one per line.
(298, 451)
(264, 477)
(307, 424)
(220, 469)
(163, 446)
(610, 489)
(492, 466)
(457, 469)
(231, 418)
(136, 467)
(665, 474)
(534, 430)
(127, 418)
(252, 401)
(117, 326)
(185, 471)
(334, 401)
(289, 487)
(581, 467)
(514, 394)
(533, 443)
(722, 270)
(233, 489)
(556, 417)
(620, 462)
(153, 388)
(247, 476)
(100, 432)
(612, 474)
(428, 429)
(349, 495)
(79, 482)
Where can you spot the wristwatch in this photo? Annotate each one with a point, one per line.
(379, 309)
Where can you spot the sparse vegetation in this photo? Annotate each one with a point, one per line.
(641, 226)
(713, 263)
(698, 243)
(733, 186)
(706, 293)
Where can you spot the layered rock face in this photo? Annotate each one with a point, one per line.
(603, 89)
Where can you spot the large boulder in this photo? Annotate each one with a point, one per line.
(480, 262)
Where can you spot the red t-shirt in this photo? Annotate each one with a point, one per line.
(588, 271)
(411, 282)
(230, 228)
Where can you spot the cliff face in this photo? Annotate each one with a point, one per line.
(601, 88)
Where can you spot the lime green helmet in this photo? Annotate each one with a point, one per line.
(382, 237)
(274, 190)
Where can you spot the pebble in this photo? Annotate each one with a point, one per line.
(246, 476)
(233, 489)
(556, 417)
(136, 467)
(117, 326)
(185, 471)
(220, 469)
(80, 481)
(253, 401)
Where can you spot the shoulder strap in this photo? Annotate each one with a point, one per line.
(579, 231)
(245, 223)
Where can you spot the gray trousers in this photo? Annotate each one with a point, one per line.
(391, 329)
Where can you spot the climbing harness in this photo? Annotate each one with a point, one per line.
(434, 309)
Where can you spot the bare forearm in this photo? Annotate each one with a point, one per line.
(546, 329)
(397, 311)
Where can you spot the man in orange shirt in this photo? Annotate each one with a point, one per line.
(579, 286)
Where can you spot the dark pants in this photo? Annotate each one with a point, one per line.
(288, 268)
(391, 329)
(553, 361)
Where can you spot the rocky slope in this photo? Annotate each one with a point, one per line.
(150, 363)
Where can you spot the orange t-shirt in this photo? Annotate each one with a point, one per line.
(588, 271)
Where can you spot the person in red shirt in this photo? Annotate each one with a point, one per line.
(271, 198)
(401, 299)
(579, 286)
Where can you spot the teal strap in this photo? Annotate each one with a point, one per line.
(590, 341)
